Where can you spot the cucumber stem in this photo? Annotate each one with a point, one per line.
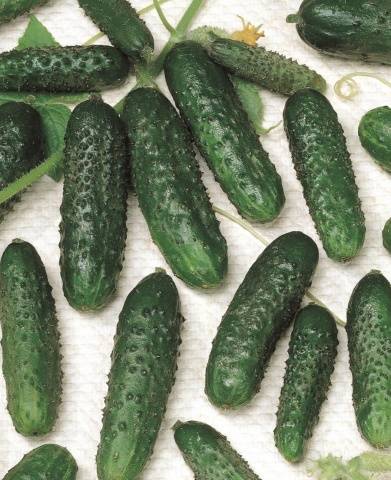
(162, 17)
(347, 81)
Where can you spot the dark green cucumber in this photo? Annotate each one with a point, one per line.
(141, 377)
(223, 133)
(354, 29)
(369, 341)
(93, 226)
(209, 454)
(386, 234)
(62, 69)
(312, 352)
(374, 132)
(45, 462)
(10, 9)
(324, 168)
(170, 191)
(121, 23)
(31, 348)
(269, 69)
(21, 145)
(262, 308)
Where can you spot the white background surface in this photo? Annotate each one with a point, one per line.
(87, 339)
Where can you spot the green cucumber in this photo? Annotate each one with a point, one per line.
(209, 454)
(312, 352)
(269, 69)
(93, 226)
(386, 234)
(31, 348)
(48, 461)
(170, 191)
(262, 308)
(223, 133)
(324, 168)
(10, 9)
(369, 341)
(62, 69)
(142, 374)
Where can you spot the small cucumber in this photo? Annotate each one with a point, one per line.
(262, 308)
(10, 9)
(209, 454)
(142, 374)
(312, 352)
(369, 341)
(31, 348)
(387, 235)
(223, 133)
(62, 69)
(324, 168)
(93, 226)
(268, 69)
(170, 191)
(45, 462)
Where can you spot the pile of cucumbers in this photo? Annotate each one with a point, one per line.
(150, 146)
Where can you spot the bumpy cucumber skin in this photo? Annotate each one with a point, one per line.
(62, 69)
(141, 377)
(369, 341)
(170, 191)
(121, 23)
(271, 70)
(374, 132)
(93, 227)
(312, 352)
(31, 348)
(324, 168)
(223, 133)
(262, 308)
(354, 29)
(48, 461)
(10, 9)
(209, 454)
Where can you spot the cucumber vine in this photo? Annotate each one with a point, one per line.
(347, 88)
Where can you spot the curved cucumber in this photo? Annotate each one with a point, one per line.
(10, 9)
(324, 168)
(170, 191)
(141, 377)
(262, 308)
(223, 133)
(31, 349)
(369, 341)
(312, 352)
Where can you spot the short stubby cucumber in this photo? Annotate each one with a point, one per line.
(121, 23)
(30, 343)
(269, 69)
(209, 454)
(386, 234)
(48, 461)
(324, 168)
(93, 226)
(223, 133)
(142, 374)
(62, 69)
(312, 352)
(21, 145)
(170, 191)
(10, 9)
(262, 308)
(369, 341)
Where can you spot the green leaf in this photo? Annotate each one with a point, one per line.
(36, 35)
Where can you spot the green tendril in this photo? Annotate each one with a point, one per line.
(352, 88)
(163, 18)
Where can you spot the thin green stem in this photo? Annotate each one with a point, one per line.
(93, 39)
(162, 17)
(151, 7)
(347, 82)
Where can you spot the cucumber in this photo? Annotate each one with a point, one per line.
(353, 29)
(170, 191)
(324, 168)
(209, 454)
(312, 352)
(10, 9)
(48, 461)
(141, 377)
(93, 226)
(369, 342)
(374, 132)
(223, 133)
(268, 69)
(262, 308)
(62, 69)
(31, 348)
(386, 234)
(121, 23)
